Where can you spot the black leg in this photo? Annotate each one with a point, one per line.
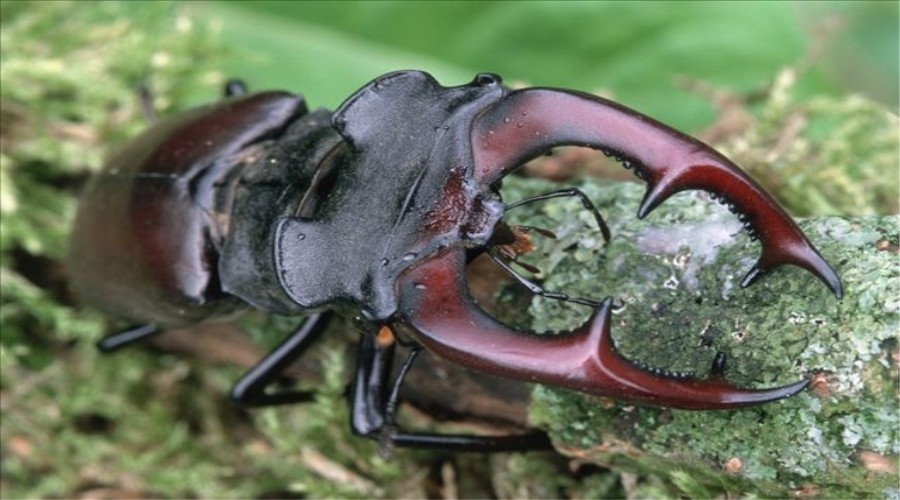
(569, 192)
(250, 390)
(127, 337)
(234, 88)
(536, 289)
(145, 98)
(373, 369)
(370, 384)
(373, 418)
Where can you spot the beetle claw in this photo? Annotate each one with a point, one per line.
(435, 304)
(666, 159)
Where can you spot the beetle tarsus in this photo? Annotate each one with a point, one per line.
(752, 275)
(145, 98)
(127, 337)
(235, 88)
(250, 390)
(718, 365)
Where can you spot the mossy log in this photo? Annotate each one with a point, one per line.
(675, 276)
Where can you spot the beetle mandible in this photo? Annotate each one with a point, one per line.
(371, 212)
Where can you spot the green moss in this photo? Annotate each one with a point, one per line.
(520, 477)
(825, 155)
(69, 89)
(135, 422)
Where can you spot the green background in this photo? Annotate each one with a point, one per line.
(635, 50)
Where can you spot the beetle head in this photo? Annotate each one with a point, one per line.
(403, 187)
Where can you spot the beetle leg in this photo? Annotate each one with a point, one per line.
(373, 368)
(373, 417)
(389, 427)
(529, 122)
(235, 88)
(250, 390)
(118, 340)
(145, 100)
(442, 316)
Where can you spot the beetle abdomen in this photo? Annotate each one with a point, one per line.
(142, 245)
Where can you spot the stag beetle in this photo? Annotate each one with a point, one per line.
(372, 212)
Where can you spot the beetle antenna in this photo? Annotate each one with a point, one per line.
(564, 193)
(536, 289)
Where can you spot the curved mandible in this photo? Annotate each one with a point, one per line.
(527, 123)
(442, 316)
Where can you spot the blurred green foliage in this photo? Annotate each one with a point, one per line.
(140, 423)
(634, 51)
(823, 154)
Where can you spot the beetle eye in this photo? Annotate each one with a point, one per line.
(487, 80)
